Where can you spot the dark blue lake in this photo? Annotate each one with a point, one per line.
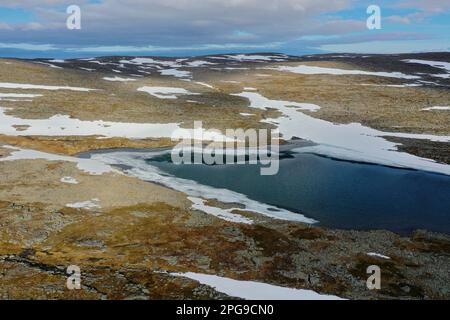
(339, 194)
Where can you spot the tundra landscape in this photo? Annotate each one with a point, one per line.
(86, 178)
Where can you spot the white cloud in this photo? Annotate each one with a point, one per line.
(180, 23)
(119, 49)
(387, 47)
(27, 46)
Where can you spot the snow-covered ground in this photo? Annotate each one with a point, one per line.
(436, 64)
(252, 290)
(87, 165)
(9, 85)
(18, 96)
(89, 204)
(118, 79)
(49, 65)
(378, 255)
(344, 141)
(166, 92)
(176, 73)
(63, 125)
(172, 67)
(199, 63)
(438, 108)
(204, 84)
(225, 214)
(253, 57)
(312, 70)
(69, 180)
(406, 85)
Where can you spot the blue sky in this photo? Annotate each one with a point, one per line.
(37, 28)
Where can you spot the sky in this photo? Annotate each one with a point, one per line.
(37, 28)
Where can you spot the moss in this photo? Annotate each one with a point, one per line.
(310, 233)
(269, 240)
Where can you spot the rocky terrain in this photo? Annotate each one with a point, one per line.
(132, 239)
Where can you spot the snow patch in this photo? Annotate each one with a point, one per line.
(8, 85)
(373, 254)
(69, 180)
(90, 204)
(312, 70)
(224, 214)
(175, 73)
(63, 125)
(199, 63)
(246, 114)
(204, 84)
(116, 78)
(166, 92)
(440, 108)
(252, 290)
(19, 95)
(436, 64)
(87, 165)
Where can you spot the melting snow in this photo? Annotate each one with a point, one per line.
(436, 64)
(175, 73)
(140, 168)
(166, 92)
(225, 214)
(436, 108)
(87, 165)
(205, 84)
(252, 290)
(302, 69)
(344, 141)
(90, 204)
(49, 65)
(373, 254)
(19, 95)
(69, 180)
(63, 125)
(9, 85)
(118, 79)
(199, 63)
(244, 57)
(406, 85)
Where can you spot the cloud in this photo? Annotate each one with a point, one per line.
(114, 26)
(428, 6)
(424, 10)
(137, 49)
(181, 22)
(32, 26)
(399, 19)
(28, 46)
(38, 3)
(5, 26)
(386, 47)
